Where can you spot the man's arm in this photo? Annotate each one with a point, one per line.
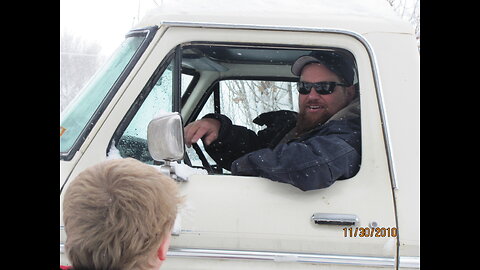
(332, 153)
(223, 141)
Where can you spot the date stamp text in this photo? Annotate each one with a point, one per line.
(370, 232)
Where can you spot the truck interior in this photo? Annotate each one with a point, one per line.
(238, 80)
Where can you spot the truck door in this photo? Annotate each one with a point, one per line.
(250, 222)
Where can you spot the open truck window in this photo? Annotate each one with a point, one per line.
(239, 81)
(243, 83)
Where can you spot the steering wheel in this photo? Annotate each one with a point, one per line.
(202, 157)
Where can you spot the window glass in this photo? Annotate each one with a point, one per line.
(133, 142)
(79, 113)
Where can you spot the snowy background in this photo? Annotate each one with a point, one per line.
(90, 30)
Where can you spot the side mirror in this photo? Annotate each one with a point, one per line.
(165, 137)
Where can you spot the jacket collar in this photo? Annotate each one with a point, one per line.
(352, 110)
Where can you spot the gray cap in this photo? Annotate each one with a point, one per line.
(333, 61)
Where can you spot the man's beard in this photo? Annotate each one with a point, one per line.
(306, 122)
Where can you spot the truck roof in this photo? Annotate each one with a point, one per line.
(359, 16)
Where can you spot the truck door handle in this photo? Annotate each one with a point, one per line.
(334, 219)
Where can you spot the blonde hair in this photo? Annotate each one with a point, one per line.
(117, 213)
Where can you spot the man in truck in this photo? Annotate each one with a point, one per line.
(310, 149)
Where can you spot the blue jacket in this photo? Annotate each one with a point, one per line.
(329, 152)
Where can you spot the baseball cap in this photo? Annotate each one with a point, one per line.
(335, 62)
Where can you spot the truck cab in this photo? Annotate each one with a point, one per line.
(188, 59)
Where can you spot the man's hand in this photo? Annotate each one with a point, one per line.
(207, 129)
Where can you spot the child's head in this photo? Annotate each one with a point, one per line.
(119, 214)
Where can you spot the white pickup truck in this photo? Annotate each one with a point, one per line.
(194, 58)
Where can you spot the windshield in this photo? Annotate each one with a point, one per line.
(81, 114)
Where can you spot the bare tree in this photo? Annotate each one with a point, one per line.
(410, 13)
(243, 100)
(79, 59)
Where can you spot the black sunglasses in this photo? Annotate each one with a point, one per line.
(322, 88)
